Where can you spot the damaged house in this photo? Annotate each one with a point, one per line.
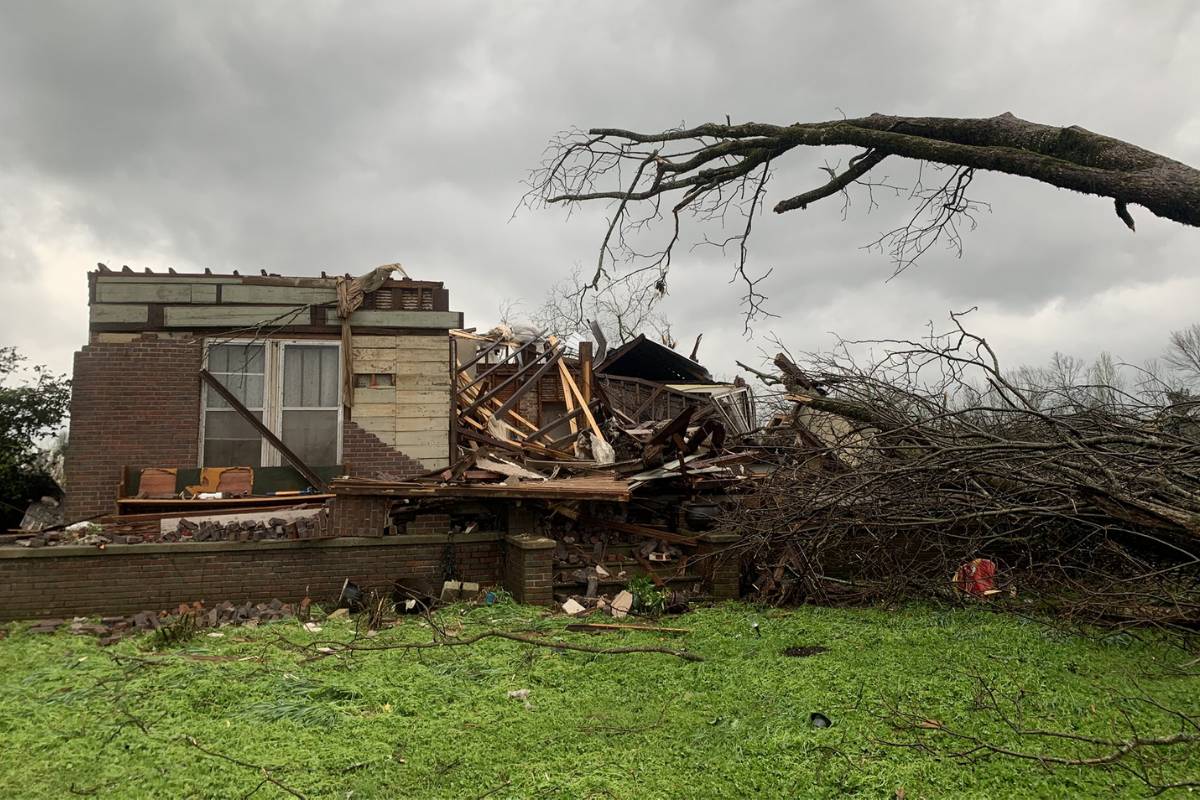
(265, 436)
(279, 345)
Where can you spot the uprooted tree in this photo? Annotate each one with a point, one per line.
(711, 169)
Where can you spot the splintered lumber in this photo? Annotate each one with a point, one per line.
(600, 627)
(677, 425)
(551, 359)
(495, 367)
(570, 417)
(519, 374)
(572, 389)
(472, 393)
(585, 370)
(639, 530)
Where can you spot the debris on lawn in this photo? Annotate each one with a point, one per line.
(805, 651)
(111, 629)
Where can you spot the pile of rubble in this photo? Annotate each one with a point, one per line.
(274, 528)
(299, 522)
(112, 629)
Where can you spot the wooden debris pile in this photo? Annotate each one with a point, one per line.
(579, 417)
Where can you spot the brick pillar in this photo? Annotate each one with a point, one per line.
(529, 569)
(360, 515)
(719, 566)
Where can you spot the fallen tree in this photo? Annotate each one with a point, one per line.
(894, 473)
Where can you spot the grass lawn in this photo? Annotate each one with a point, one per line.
(77, 719)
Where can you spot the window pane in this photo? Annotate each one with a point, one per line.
(239, 367)
(246, 388)
(311, 435)
(310, 375)
(229, 425)
(230, 441)
(236, 358)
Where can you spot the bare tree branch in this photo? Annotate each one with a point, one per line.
(706, 170)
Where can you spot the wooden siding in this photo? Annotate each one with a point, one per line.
(414, 415)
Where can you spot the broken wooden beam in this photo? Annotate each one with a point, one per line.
(639, 530)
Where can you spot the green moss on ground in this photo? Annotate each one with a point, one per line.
(439, 724)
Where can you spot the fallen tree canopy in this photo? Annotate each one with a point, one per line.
(896, 472)
(709, 169)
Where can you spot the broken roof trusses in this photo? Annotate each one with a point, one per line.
(487, 416)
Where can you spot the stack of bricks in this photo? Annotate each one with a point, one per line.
(529, 569)
(360, 516)
(429, 523)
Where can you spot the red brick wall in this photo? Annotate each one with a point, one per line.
(138, 404)
(131, 578)
(360, 516)
(131, 403)
(367, 455)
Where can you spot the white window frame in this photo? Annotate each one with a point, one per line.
(273, 408)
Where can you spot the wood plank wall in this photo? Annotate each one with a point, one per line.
(414, 415)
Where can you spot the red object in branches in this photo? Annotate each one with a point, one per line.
(976, 578)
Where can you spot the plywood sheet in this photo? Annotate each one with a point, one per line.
(440, 320)
(120, 313)
(299, 295)
(174, 292)
(225, 316)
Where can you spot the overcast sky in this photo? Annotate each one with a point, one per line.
(298, 137)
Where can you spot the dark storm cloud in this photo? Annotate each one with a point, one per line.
(299, 137)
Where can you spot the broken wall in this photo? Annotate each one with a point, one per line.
(413, 415)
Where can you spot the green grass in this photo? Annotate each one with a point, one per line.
(439, 724)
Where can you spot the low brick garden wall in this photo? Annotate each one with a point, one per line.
(78, 580)
(71, 581)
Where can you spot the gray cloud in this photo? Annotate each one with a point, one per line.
(298, 137)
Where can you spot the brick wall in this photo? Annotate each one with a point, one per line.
(71, 581)
(131, 403)
(429, 523)
(138, 404)
(360, 516)
(367, 455)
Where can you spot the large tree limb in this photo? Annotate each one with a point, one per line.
(1069, 158)
(707, 169)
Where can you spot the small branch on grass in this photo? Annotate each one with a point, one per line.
(616, 729)
(493, 791)
(1144, 757)
(267, 778)
(513, 637)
